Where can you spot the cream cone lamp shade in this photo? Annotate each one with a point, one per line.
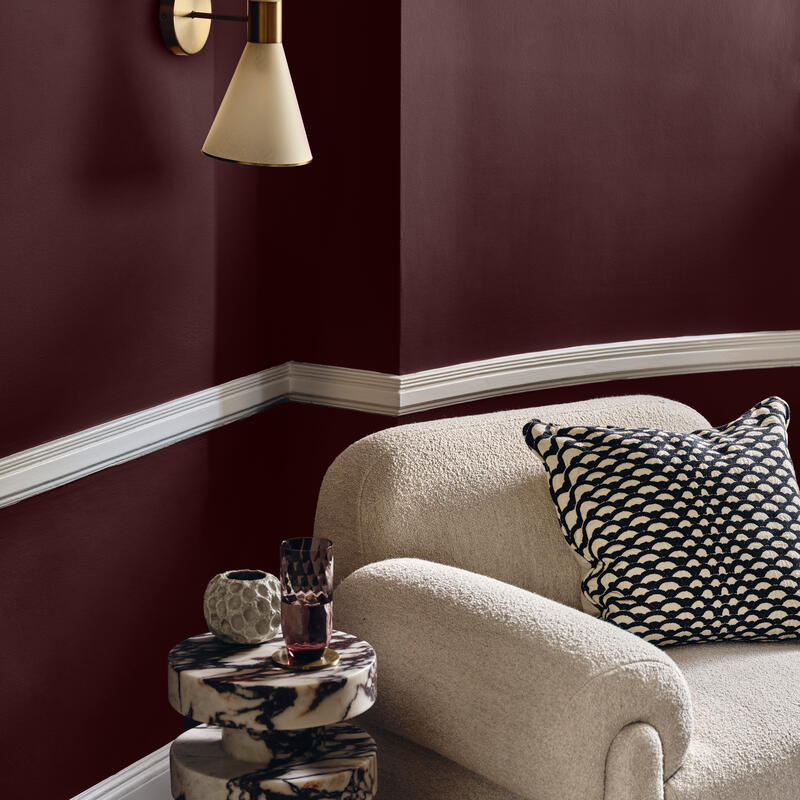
(258, 122)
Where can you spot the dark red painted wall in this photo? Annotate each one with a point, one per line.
(547, 174)
(569, 173)
(308, 258)
(106, 219)
(596, 170)
(137, 270)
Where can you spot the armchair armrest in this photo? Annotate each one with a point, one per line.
(518, 688)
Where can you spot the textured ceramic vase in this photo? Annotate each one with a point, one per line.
(243, 606)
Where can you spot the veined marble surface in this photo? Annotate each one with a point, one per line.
(340, 765)
(238, 686)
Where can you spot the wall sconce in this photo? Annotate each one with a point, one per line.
(258, 122)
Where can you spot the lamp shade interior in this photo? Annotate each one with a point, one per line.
(259, 121)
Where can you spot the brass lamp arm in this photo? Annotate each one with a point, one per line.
(185, 27)
(218, 17)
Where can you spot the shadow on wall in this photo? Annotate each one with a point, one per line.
(118, 142)
(106, 219)
(768, 230)
(307, 258)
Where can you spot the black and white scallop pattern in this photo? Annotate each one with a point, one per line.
(690, 537)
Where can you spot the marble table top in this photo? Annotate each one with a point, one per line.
(239, 686)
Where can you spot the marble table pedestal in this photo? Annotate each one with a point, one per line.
(269, 733)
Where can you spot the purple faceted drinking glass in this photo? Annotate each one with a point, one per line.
(306, 596)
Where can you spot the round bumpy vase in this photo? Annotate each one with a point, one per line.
(243, 606)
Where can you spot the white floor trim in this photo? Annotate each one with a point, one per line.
(52, 464)
(146, 779)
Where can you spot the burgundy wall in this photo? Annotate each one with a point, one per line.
(136, 269)
(308, 258)
(596, 170)
(551, 174)
(569, 173)
(106, 219)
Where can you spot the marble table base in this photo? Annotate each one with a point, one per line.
(339, 762)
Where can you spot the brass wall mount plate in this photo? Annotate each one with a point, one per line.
(182, 34)
(283, 659)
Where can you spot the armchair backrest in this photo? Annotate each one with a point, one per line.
(467, 491)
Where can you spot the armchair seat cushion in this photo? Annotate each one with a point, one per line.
(746, 739)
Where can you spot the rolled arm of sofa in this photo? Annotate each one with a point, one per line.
(518, 688)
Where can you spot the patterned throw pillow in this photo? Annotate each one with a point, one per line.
(689, 537)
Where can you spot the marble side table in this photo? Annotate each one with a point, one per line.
(268, 733)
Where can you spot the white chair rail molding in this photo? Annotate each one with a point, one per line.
(55, 463)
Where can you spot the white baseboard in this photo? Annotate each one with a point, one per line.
(52, 464)
(146, 779)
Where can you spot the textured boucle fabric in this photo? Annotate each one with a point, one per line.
(634, 766)
(746, 740)
(527, 692)
(465, 491)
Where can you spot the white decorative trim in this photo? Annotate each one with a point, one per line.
(643, 358)
(52, 464)
(146, 779)
(342, 387)
(63, 460)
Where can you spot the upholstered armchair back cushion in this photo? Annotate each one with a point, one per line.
(465, 491)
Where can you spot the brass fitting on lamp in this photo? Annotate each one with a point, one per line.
(258, 122)
(264, 22)
(184, 25)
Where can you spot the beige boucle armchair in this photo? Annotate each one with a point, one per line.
(492, 682)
